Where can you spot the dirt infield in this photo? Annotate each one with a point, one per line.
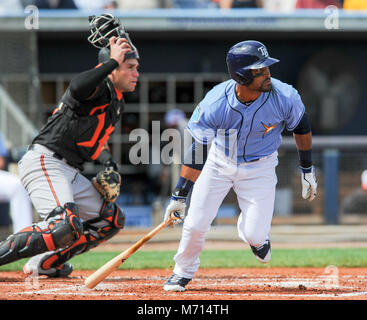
(210, 284)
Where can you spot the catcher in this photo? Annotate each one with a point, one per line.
(78, 214)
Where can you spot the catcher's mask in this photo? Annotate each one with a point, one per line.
(102, 28)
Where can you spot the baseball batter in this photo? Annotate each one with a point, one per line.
(242, 119)
(77, 214)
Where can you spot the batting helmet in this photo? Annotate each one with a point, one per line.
(247, 55)
(102, 28)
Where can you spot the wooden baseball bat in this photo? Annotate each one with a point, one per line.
(113, 264)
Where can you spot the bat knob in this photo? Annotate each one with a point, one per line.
(175, 218)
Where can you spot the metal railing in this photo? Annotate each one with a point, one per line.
(18, 131)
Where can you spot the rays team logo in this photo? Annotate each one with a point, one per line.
(267, 128)
(263, 51)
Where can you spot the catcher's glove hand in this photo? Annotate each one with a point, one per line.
(107, 183)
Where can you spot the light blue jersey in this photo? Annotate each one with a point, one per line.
(255, 129)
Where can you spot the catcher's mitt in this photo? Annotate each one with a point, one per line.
(107, 183)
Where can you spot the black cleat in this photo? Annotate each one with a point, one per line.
(176, 283)
(262, 253)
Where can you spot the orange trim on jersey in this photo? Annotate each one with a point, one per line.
(98, 108)
(102, 141)
(48, 179)
(119, 94)
(101, 119)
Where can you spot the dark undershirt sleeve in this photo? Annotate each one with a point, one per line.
(85, 83)
(303, 126)
(195, 157)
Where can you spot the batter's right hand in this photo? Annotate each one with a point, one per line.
(176, 205)
(119, 47)
(309, 183)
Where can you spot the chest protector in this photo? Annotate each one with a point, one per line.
(78, 130)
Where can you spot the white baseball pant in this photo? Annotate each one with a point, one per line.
(254, 184)
(51, 182)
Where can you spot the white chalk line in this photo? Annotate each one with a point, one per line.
(293, 282)
(96, 293)
(103, 289)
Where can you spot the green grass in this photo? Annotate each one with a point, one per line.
(348, 257)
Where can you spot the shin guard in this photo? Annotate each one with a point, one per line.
(96, 231)
(61, 228)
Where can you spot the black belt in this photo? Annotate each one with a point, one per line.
(55, 154)
(58, 157)
(254, 160)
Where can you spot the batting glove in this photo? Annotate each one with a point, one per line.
(309, 183)
(178, 205)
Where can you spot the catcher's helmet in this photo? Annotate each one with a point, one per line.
(247, 55)
(102, 28)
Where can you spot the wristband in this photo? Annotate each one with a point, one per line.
(106, 159)
(111, 163)
(182, 189)
(104, 156)
(306, 170)
(305, 158)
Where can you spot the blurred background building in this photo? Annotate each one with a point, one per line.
(182, 43)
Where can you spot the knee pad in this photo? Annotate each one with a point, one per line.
(95, 231)
(64, 226)
(113, 219)
(111, 213)
(91, 238)
(61, 228)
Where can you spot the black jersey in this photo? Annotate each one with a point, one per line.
(78, 130)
